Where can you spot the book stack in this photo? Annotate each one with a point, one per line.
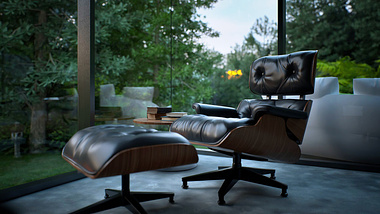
(172, 116)
(156, 113)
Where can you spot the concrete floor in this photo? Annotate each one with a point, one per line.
(311, 190)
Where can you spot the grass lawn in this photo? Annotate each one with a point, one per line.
(30, 167)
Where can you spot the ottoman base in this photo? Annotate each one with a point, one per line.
(124, 197)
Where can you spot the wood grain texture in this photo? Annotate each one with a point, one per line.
(297, 127)
(152, 122)
(145, 158)
(267, 138)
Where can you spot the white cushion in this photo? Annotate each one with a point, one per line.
(367, 86)
(324, 86)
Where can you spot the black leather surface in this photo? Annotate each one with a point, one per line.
(291, 74)
(210, 129)
(206, 129)
(92, 147)
(284, 108)
(215, 110)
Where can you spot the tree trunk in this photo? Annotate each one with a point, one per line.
(39, 113)
(38, 127)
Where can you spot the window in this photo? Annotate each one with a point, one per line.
(342, 32)
(38, 83)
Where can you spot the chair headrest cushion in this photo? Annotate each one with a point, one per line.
(291, 74)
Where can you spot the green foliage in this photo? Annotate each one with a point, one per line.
(337, 28)
(59, 132)
(231, 90)
(267, 30)
(113, 29)
(147, 51)
(192, 81)
(38, 34)
(346, 70)
(138, 43)
(38, 59)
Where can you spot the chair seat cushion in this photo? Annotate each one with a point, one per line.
(284, 108)
(206, 129)
(107, 150)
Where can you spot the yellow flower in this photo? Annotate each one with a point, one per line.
(234, 74)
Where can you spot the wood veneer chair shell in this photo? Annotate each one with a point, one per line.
(142, 159)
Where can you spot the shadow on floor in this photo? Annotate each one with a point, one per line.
(311, 190)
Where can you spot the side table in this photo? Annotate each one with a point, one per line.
(152, 122)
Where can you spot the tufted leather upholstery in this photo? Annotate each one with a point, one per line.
(109, 150)
(207, 129)
(291, 74)
(211, 129)
(91, 149)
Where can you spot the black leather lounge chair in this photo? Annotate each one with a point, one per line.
(259, 129)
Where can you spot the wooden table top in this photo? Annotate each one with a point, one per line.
(152, 122)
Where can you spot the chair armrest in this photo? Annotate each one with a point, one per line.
(260, 110)
(215, 110)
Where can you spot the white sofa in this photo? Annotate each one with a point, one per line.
(344, 127)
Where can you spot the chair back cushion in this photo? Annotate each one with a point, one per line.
(291, 74)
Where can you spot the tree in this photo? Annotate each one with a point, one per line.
(42, 34)
(267, 31)
(231, 84)
(337, 28)
(162, 44)
(138, 43)
(366, 25)
(346, 70)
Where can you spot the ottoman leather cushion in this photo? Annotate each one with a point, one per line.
(107, 150)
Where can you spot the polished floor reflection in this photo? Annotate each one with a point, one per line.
(311, 190)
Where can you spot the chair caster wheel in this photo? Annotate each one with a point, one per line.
(184, 185)
(221, 202)
(171, 200)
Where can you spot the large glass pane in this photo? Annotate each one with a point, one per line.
(38, 88)
(158, 53)
(133, 56)
(346, 101)
(148, 55)
(345, 33)
(247, 30)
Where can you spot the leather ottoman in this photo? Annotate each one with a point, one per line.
(109, 150)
